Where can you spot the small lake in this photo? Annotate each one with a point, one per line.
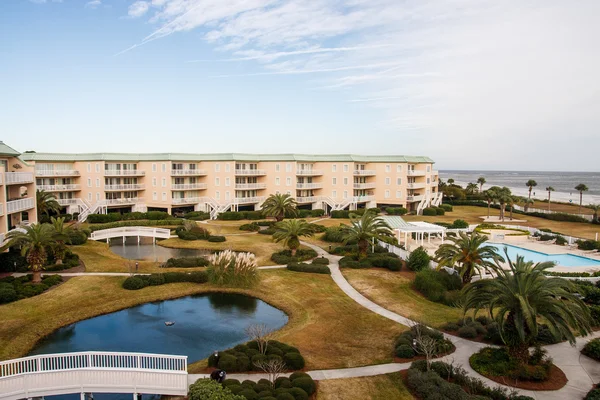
(145, 250)
(203, 323)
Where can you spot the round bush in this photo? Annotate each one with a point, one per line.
(249, 394)
(451, 326)
(293, 361)
(429, 211)
(7, 295)
(274, 350)
(285, 396)
(134, 283)
(306, 384)
(268, 398)
(265, 394)
(298, 374)
(261, 387)
(297, 393)
(467, 332)
(283, 382)
(264, 382)
(230, 382)
(418, 259)
(405, 351)
(592, 349)
(321, 261)
(227, 362)
(156, 280)
(216, 239)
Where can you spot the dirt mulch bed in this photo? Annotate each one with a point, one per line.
(556, 380)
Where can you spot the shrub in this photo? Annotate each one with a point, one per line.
(451, 326)
(405, 351)
(190, 232)
(216, 239)
(418, 259)
(120, 224)
(185, 262)
(285, 396)
(77, 237)
(305, 383)
(204, 389)
(298, 393)
(197, 215)
(439, 211)
(234, 269)
(321, 261)
(593, 394)
(592, 349)
(314, 268)
(333, 234)
(293, 360)
(467, 332)
(318, 228)
(7, 294)
(396, 210)
(588, 245)
(134, 283)
(253, 227)
(446, 207)
(497, 362)
(430, 211)
(282, 381)
(284, 257)
(240, 215)
(460, 224)
(141, 281)
(268, 231)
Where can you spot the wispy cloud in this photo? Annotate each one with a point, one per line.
(93, 4)
(138, 9)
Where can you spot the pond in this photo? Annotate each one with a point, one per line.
(203, 323)
(145, 250)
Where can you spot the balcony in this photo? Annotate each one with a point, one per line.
(309, 172)
(364, 172)
(58, 188)
(188, 172)
(51, 172)
(119, 202)
(434, 172)
(249, 200)
(68, 202)
(187, 200)
(13, 178)
(123, 172)
(1, 211)
(250, 186)
(250, 172)
(414, 198)
(133, 186)
(416, 185)
(189, 186)
(415, 172)
(362, 199)
(14, 206)
(309, 185)
(365, 185)
(310, 199)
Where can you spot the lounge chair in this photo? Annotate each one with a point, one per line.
(589, 251)
(549, 242)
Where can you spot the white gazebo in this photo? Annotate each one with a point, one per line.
(420, 228)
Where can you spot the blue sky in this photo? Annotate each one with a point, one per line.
(473, 84)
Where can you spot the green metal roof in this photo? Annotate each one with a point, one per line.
(396, 222)
(220, 157)
(6, 150)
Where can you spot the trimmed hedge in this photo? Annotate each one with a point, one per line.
(321, 261)
(447, 207)
(268, 231)
(396, 210)
(252, 227)
(13, 289)
(120, 224)
(310, 268)
(592, 349)
(242, 357)
(430, 211)
(186, 262)
(240, 215)
(216, 239)
(206, 388)
(284, 257)
(132, 216)
(379, 260)
(197, 215)
(137, 282)
(299, 386)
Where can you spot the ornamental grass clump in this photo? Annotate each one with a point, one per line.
(232, 269)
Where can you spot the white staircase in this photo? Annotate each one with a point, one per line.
(437, 199)
(215, 207)
(88, 209)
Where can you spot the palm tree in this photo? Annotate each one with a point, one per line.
(527, 202)
(46, 203)
(502, 196)
(595, 208)
(278, 205)
(490, 197)
(471, 188)
(581, 188)
(531, 184)
(549, 189)
(289, 232)
(33, 243)
(368, 227)
(61, 238)
(450, 181)
(511, 203)
(467, 254)
(481, 180)
(522, 295)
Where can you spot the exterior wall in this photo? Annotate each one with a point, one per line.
(16, 194)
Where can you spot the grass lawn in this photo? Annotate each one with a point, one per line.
(572, 208)
(381, 387)
(393, 291)
(330, 329)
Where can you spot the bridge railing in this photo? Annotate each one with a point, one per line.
(131, 231)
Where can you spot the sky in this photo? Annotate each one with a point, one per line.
(473, 84)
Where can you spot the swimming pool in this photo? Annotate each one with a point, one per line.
(561, 260)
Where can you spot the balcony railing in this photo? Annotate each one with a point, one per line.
(309, 185)
(364, 172)
(58, 188)
(52, 172)
(415, 185)
(188, 186)
(68, 202)
(249, 200)
(20, 205)
(1, 211)
(365, 185)
(123, 172)
(188, 172)
(1, 179)
(415, 172)
(360, 199)
(414, 198)
(132, 186)
(132, 200)
(435, 172)
(187, 200)
(250, 186)
(309, 172)
(253, 172)
(13, 178)
(309, 199)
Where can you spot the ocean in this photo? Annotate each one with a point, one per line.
(563, 182)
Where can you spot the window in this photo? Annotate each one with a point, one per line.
(345, 167)
(334, 168)
(334, 194)
(288, 181)
(164, 196)
(227, 182)
(97, 167)
(428, 181)
(97, 182)
(154, 196)
(345, 181)
(387, 181)
(89, 167)
(429, 168)
(154, 182)
(289, 192)
(387, 194)
(227, 169)
(217, 182)
(154, 169)
(164, 182)
(89, 182)
(398, 181)
(345, 194)
(164, 167)
(218, 195)
(288, 167)
(276, 167)
(227, 195)
(399, 168)
(97, 196)
(334, 181)
(217, 167)
(387, 168)
(277, 181)
(90, 196)
(398, 194)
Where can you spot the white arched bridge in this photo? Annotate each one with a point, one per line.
(131, 231)
(93, 372)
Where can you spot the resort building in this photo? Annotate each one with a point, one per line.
(105, 182)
